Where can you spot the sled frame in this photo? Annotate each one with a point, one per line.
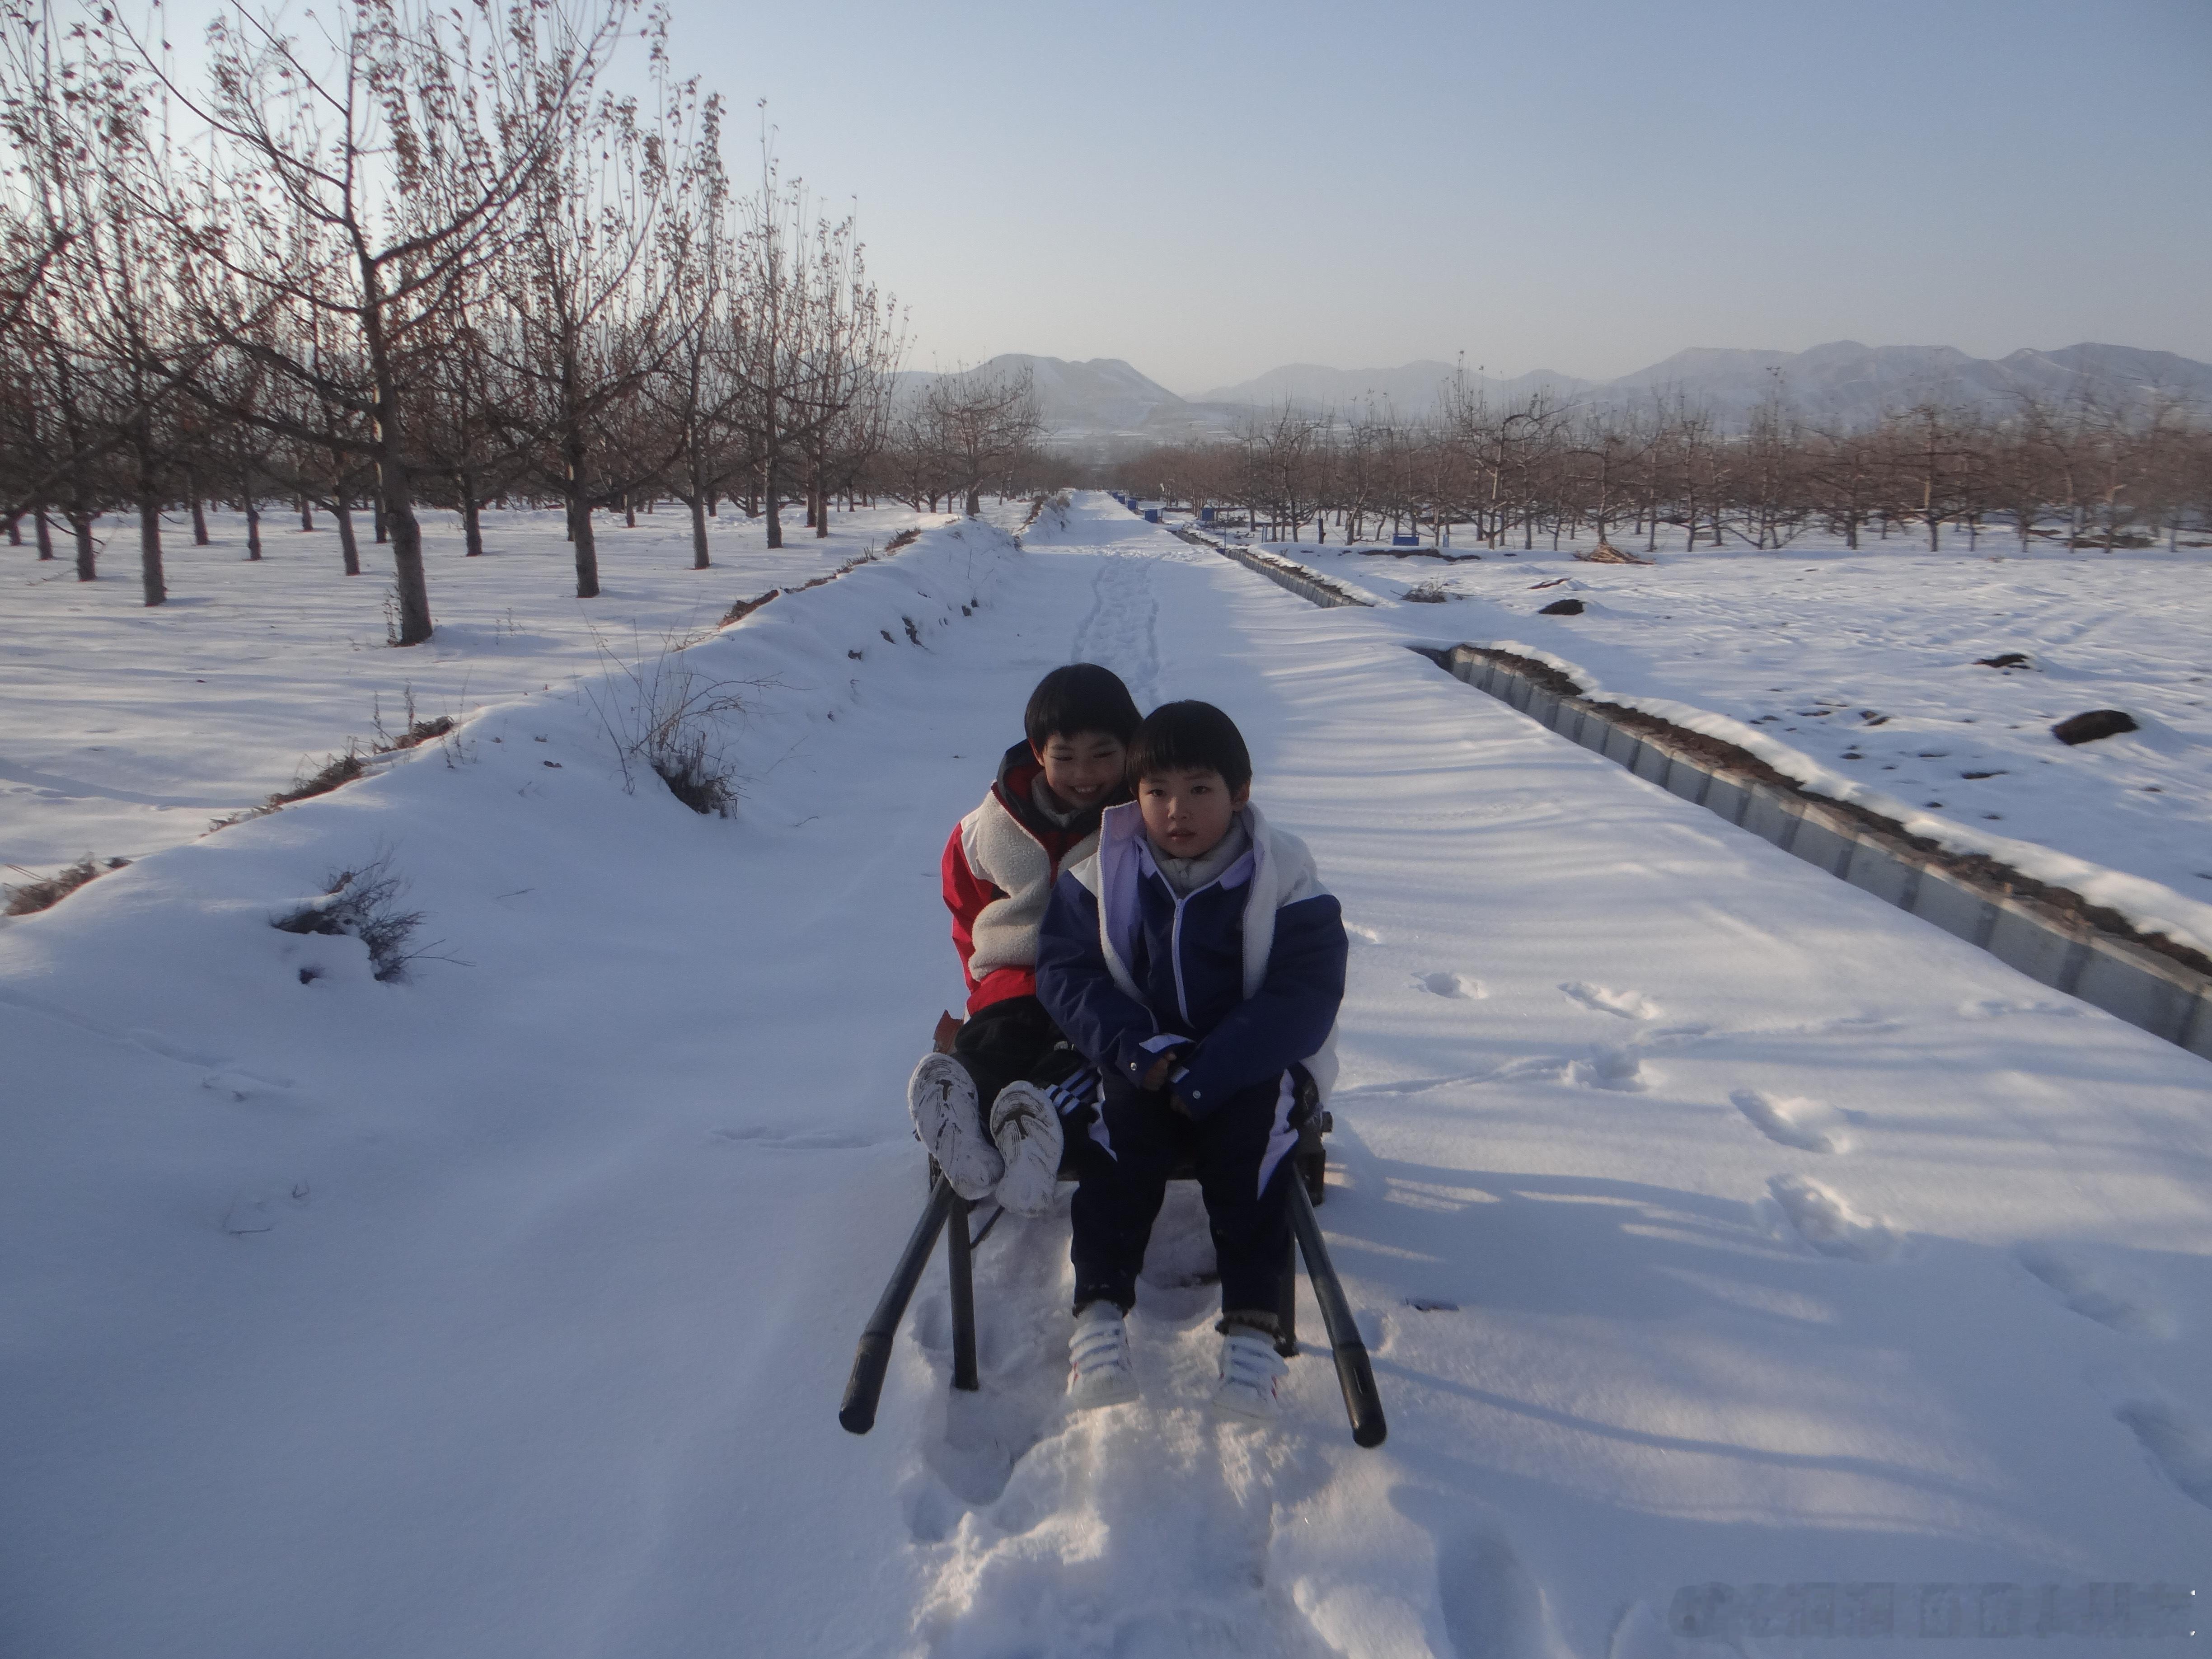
(947, 1213)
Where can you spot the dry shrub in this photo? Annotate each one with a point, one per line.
(343, 767)
(364, 903)
(44, 892)
(664, 717)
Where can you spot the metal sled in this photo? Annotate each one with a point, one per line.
(947, 1213)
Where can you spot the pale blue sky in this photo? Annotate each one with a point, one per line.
(1585, 186)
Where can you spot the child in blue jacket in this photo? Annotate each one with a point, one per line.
(1197, 962)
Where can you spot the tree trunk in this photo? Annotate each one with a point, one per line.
(770, 483)
(579, 520)
(588, 549)
(150, 518)
(253, 530)
(471, 516)
(307, 513)
(199, 508)
(629, 509)
(149, 544)
(408, 586)
(81, 526)
(45, 535)
(381, 533)
(342, 510)
(700, 503)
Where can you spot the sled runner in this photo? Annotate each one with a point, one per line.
(948, 1213)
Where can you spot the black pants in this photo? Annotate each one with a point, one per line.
(1009, 1041)
(1241, 1151)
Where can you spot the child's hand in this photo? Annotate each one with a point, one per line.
(1161, 1068)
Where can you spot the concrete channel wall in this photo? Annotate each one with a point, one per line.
(1319, 592)
(2142, 987)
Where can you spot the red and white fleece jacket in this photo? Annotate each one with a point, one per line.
(1000, 862)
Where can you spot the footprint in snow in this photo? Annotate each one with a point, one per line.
(1457, 986)
(1822, 1218)
(2110, 1297)
(1604, 999)
(1611, 1068)
(1794, 1121)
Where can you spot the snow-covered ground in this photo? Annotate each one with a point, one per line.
(128, 729)
(1858, 673)
(1709, 1220)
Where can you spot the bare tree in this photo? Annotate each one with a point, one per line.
(361, 177)
(592, 288)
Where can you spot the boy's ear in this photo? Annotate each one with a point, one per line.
(1242, 799)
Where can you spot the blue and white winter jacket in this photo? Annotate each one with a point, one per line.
(1247, 970)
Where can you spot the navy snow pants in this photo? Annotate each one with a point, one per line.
(1242, 1152)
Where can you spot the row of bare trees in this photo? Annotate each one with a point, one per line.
(419, 254)
(2087, 472)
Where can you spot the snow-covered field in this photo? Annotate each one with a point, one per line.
(1858, 673)
(1709, 1220)
(128, 729)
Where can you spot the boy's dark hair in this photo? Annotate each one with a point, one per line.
(1080, 697)
(1190, 736)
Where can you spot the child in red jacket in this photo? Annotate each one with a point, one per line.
(990, 1111)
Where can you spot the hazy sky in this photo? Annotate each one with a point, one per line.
(1584, 185)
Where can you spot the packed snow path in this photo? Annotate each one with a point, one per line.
(1708, 1220)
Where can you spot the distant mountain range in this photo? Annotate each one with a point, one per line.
(1843, 382)
(1105, 405)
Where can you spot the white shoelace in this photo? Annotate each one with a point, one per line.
(1251, 1361)
(1099, 1345)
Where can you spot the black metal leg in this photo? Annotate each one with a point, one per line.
(960, 1262)
(1362, 1403)
(1286, 1304)
(865, 1386)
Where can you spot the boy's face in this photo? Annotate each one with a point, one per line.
(1082, 770)
(1189, 810)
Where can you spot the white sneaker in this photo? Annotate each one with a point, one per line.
(1249, 1367)
(1098, 1369)
(1025, 1129)
(942, 1098)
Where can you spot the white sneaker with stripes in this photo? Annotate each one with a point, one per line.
(1098, 1369)
(1249, 1368)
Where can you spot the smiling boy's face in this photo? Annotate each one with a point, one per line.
(1082, 770)
(1187, 810)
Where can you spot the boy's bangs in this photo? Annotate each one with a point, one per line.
(1079, 698)
(1190, 736)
